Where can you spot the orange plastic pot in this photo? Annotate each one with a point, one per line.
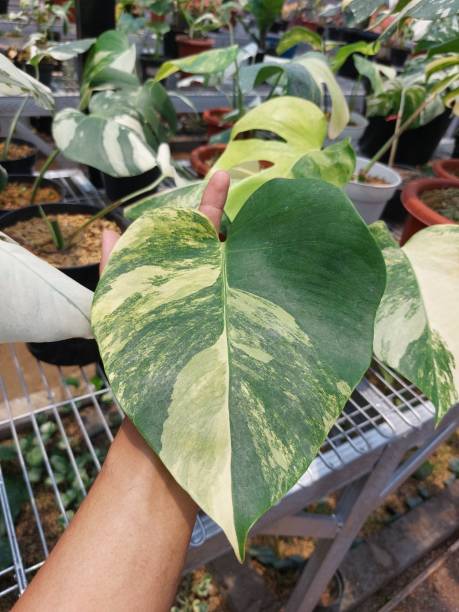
(419, 214)
(213, 118)
(447, 169)
(190, 46)
(202, 157)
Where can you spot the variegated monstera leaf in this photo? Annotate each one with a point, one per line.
(417, 330)
(234, 359)
(115, 145)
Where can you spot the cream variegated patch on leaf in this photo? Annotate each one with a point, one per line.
(39, 303)
(234, 359)
(417, 330)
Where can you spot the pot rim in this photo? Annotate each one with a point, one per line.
(412, 201)
(198, 42)
(115, 216)
(397, 179)
(30, 178)
(20, 141)
(441, 168)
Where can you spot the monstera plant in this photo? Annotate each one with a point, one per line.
(234, 358)
(281, 138)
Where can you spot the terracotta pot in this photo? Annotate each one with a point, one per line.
(419, 214)
(447, 169)
(202, 157)
(213, 118)
(190, 46)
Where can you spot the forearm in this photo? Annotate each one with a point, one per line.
(125, 547)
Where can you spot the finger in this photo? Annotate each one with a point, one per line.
(214, 197)
(109, 239)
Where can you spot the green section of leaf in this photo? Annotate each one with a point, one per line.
(39, 303)
(373, 72)
(361, 46)
(336, 164)
(414, 333)
(265, 12)
(116, 146)
(207, 62)
(250, 347)
(296, 35)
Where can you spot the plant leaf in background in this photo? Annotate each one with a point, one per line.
(62, 51)
(16, 82)
(335, 164)
(299, 127)
(265, 12)
(317, 65)
(39, 303)
(110, 65)
(362, 47)
(373, 72)
(188, 196)
(115, 146)
(207, 62)
(234, 359)
(417, 330)
(296, 35)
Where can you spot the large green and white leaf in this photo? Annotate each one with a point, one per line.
(318, 67)
(188, 196)
(62, 52)
(297, 35)
(299, 127)
(115, 146)
(207, 62)
(417, 330)
(361, 9)
(39, 303)
(418, 9)
(335, 164)
(234, 359)
(16, 82)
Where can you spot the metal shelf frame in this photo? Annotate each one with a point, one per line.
(363, 457)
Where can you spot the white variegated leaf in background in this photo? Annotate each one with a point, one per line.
(115, 146)
(39, 303)
(234, 359)
(16, 82)
(417, 327)
(62, 52)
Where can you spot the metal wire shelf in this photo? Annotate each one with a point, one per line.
(57, 423)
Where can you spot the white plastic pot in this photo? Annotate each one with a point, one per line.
(353, 132)
(370, 200)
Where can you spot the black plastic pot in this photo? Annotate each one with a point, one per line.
(170, 43)
(23, 165)
(75, 351)
(117, 188)
(4, 7)
(415, 147)
(45, 71)
(147, 62)
(29, 179)
(398, 57)
(349, 35)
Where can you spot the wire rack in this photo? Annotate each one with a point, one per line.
(57, 423)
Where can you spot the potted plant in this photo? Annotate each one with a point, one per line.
(61, 232)
(265, 341)
(429, 202)
(201, 17)
(265, 13)
(400, 96)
